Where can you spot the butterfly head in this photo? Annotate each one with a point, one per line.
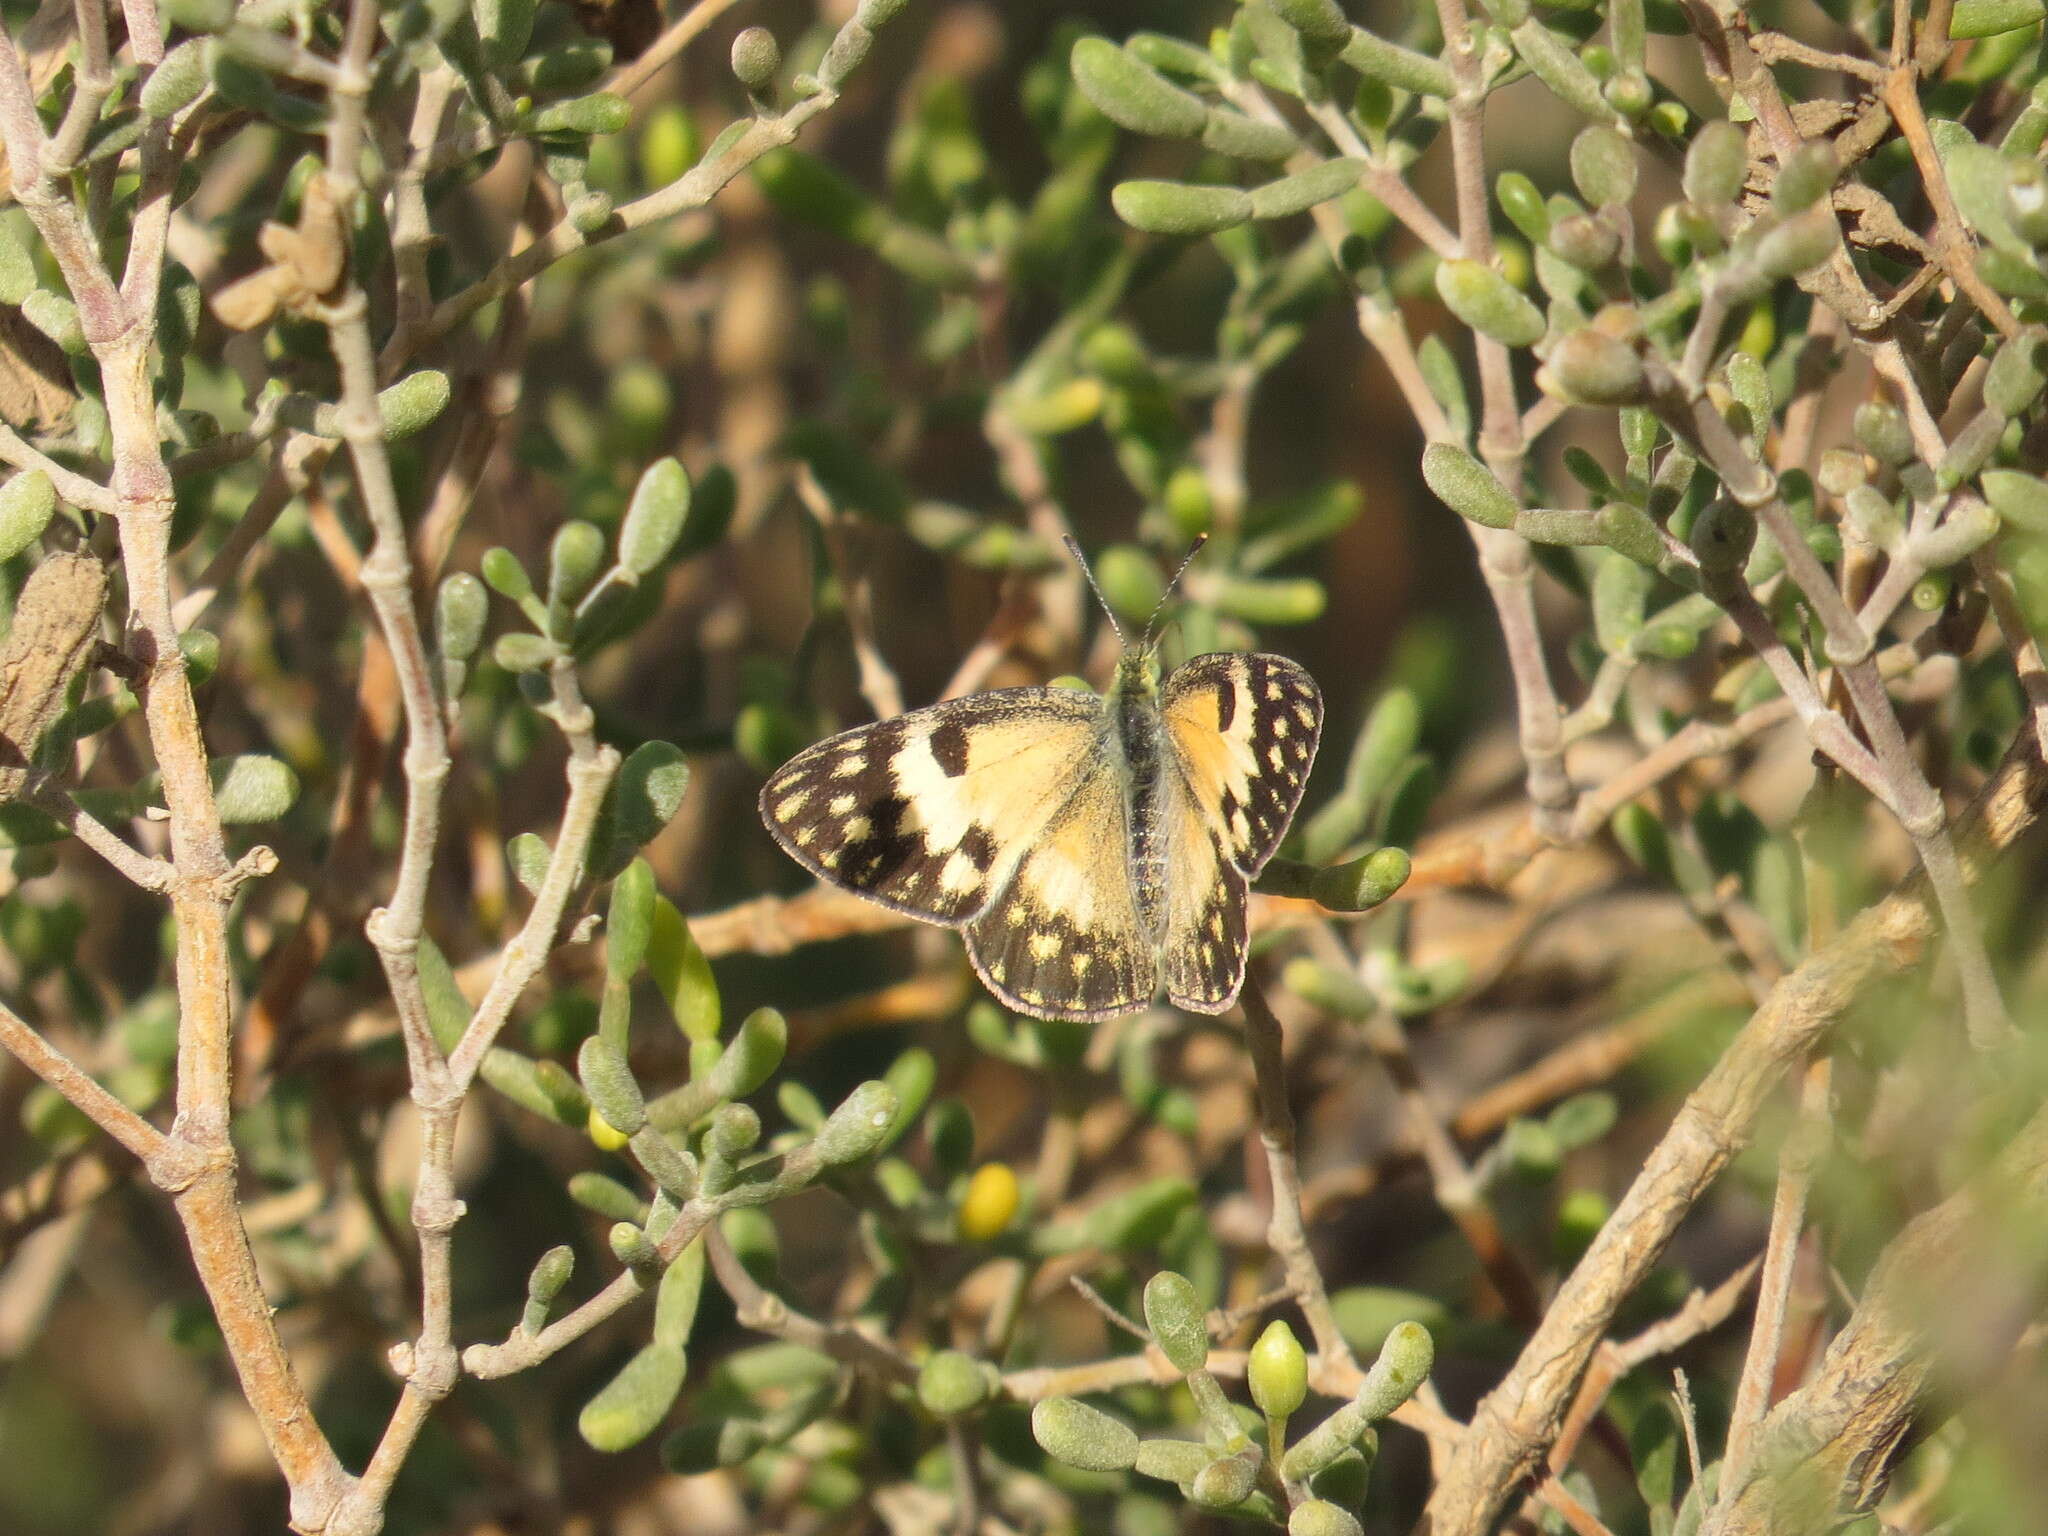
(1138, 670)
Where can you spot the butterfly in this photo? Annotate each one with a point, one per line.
(1091, 850)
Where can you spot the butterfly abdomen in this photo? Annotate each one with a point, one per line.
(1142, 737)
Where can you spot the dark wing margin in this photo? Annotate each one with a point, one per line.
(928, 813)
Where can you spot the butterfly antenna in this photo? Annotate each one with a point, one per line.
(1160, 607)
(1109, 613)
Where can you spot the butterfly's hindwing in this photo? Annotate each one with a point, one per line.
(931, 812)
(1063, 939)
(1244, 730)
(1202, 950)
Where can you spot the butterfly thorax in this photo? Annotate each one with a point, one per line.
(1135, 722)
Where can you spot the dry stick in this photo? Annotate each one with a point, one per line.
(1846, 1424)
(1796, 1162)
(765, 1312)
(1516, 1422)
(77, 1085)
(196, 1163)
(1953, 246)
(1285, 1234)
(1702, 1313)
(878, 683)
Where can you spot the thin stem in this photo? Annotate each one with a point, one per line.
(77, 1085)
(1285, 1234)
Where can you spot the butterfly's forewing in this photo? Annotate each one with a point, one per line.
(1244, 730)
(930, 813)
(1063, 940)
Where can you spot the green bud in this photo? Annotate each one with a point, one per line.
(1881, 428)
(1716, 164)
(755, 58)
(1403, 68)
(1134, 95)
(544, 1284)
(1247, 138)
(1187, 500)
(1070, 1431)
(251, 788)
(1530, 1149)
(627, 1409)
(1137, 1218)
(1226, 1481)
(1277, 1371)
(1179, 208)
(1586, 242)
(1403, 1364)
(1333, 990)
(1487, 302)
(1582, 1119)
(1931, 592)
(675, 1303)
(1800, 243)
(402, 409)
(1603, 166)
(705, 1447)
(1969, 449)
(1466, 486)
(1629, 531)
(57, 318)
(200, 15)
(1363, 883)
(599, 113)
(2015, 378)
(613, 1090)
(754, 1054)
(1305, 189)
(952, 1383)
(1580, 1216)
(1722, 536)
(668, 145)
(629, 920)
(574, 559)
(910, 1077)
(522, 652)
(539, 1087)
(647, 793)
(27, 503)
(503, 573)
(1804, 177)
(1064, 407)
(1172, 1461)
(857, 1126)
(177, 80)
(1589, 367)
(1319, 1517)
(1524, 206)
(2020, 499)
(1271, 600)
(505, 28)
(1318, 21)
(1130, 581)
(630, 1245)
(460, 609)
(1630, 93)
(735, 1129)
(1174, 1314)
(1989, 18)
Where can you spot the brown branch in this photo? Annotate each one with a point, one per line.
(1516, 1422)
(1830, 1445)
